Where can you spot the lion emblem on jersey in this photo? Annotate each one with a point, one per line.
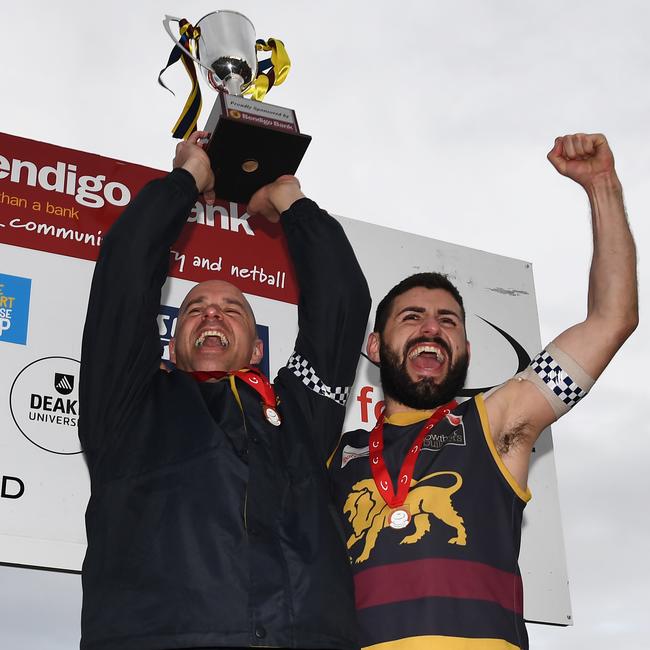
(367, 511)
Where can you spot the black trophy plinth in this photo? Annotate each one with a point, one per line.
(252, 144)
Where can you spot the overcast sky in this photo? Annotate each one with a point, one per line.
(432, 117)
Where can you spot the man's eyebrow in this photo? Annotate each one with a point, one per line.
(194, 301)
(227, 300)
(449, 312)
(235, 301)
(419, 310)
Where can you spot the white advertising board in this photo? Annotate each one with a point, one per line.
(45, 276)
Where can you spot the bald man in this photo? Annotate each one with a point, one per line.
(210, 523)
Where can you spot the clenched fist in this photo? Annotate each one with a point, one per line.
(583, 157)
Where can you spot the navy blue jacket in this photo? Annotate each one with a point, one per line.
(208, 526)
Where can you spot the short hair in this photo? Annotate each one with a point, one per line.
(428, 280)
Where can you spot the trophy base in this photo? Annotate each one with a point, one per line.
(251, 145)
(245, 157)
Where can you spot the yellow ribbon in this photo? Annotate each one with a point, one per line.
(273, 75)
(279, 69)
(186, 123)
(235, 392)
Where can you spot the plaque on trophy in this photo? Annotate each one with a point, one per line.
(252, 142)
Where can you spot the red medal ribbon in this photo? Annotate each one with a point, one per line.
(378, 466)
(251, 376)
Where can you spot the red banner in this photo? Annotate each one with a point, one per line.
(63, 201)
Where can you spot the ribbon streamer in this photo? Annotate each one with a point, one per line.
(186, 123)
(270, 72)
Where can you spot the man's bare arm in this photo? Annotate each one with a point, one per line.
(612, 304)
(518, 411)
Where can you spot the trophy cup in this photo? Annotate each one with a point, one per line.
(252, 143)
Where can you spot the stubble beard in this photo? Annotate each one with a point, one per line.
(425, 393)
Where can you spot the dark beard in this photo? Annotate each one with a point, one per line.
(424, 394)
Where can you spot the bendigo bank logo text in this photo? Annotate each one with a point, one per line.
(87, 190)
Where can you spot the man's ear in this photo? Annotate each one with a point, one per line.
(172, 350)
(258, 352)
(373, 345)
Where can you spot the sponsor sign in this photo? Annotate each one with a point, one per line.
(56, 204)
(44, 404)
(58, 200)
(14, 308)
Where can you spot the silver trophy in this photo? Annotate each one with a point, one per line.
(252, 143)
(226, 52)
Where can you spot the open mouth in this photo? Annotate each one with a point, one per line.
(426, 357)
(211, 338)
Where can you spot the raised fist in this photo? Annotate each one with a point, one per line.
(583, 157)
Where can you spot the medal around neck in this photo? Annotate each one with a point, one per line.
(252, 143)
(272, 416)
(399, 518)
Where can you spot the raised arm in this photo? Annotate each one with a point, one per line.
(612, 303)
(519, 411)
(121, 345)
(332, 310)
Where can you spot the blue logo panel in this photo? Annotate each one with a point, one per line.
(263, 334)
(15, 293)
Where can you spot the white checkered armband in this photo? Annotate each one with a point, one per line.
(559, 378)
(303, 370)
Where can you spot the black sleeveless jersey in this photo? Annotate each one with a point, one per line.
(449, 577)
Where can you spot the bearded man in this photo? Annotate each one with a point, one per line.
(210, 522)
(433, 497)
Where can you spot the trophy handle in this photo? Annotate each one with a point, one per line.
(168, 29)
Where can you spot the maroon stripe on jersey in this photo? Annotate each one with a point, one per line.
(438, 578)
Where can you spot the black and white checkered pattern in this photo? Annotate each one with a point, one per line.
(557, 380)
(307, 374)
